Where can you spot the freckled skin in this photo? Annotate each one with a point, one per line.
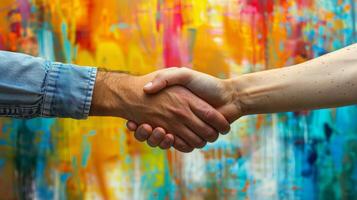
(324, 82)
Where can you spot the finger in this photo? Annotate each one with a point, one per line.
(132, 126)
(202, 129)
(143, 132)
(191, 138)
(209, 115)
(168, 77)
(181, 145)
(157, 136)
(167, 142)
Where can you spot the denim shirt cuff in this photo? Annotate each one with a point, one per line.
(68, 90)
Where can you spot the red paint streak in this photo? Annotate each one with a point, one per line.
(85, 29)
(2, 42)
(83, 38)
(262, 5)
(259, 13)
(173, 23)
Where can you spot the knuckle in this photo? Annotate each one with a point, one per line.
(158, 135)
(212, 135)
(139, 136)
(151, 143)
(160, 76)
(208, 114)
(201, 144)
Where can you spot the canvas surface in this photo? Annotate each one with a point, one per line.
(302, 155)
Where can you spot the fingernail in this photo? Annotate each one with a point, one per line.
(226, 132)
(148, 85)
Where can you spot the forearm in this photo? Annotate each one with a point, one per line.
(324, 82)
(106, 100)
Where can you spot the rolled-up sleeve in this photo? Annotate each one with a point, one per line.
(34, 87)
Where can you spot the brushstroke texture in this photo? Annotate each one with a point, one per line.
(300, 155)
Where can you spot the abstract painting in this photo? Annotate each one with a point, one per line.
(296, 155)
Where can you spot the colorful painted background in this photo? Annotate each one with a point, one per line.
(301, 155)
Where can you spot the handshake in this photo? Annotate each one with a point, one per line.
(175, 107)
(200, 107)
(186, 109)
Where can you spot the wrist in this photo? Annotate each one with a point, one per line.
(107, 95)
(237, 88)
(262, 92)
(232, 94)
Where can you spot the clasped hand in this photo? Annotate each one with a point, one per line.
(200, 116)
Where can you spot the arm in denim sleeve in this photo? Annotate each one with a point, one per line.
(33, 87)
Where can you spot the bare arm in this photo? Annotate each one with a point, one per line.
(324, 82)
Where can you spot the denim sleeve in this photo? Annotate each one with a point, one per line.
(33, 87)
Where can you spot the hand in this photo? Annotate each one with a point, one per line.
(175, 109)
(219, 93)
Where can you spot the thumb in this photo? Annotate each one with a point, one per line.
(155, 86)
(169, 77)
(132, 126)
